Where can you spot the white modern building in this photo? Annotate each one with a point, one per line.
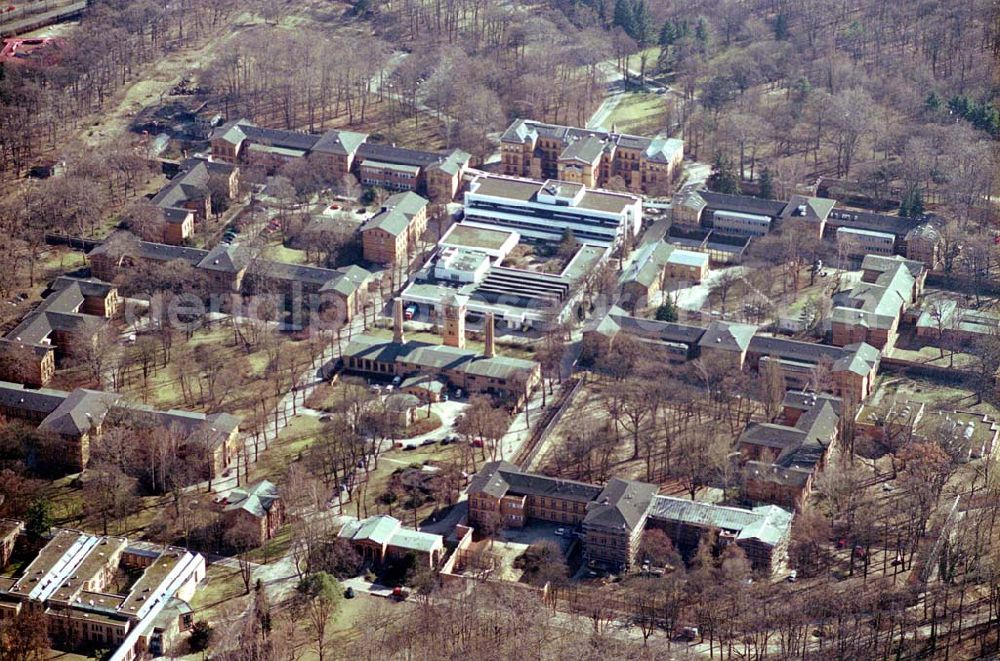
(742, 224)
(544, 211)
(461, 265)
(862, 242)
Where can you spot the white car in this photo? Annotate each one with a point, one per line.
(560, 531)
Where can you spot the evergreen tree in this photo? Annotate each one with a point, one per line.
(667, 311)
(766, 185)
(781, 27)
(668, 34)
(917, 204)
(623, 16)
(912, 204)
(701, 34)
(642, 25)
(38, 518)
(933, 102)
(724, 179)
(567, 246)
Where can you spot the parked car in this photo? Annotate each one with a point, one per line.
(410, 312)
(396, 380)
(428, 441)
(560, 531)
(792, 576)
(688, 633)
(349, 593)
(399, 594)
(477, 442)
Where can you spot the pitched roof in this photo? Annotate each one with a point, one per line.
(621, 505)
(257, 499)
(742, 204)
(378, 529)
(585, 150)
(647, 266)
(226, 258)
(768, 523)
(727, 335)
(82, 410)
(497, 478)
(16, 397)
(815, 209)
(664, 150)
(339, 142)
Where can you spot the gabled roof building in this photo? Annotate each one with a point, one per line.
(590, 157)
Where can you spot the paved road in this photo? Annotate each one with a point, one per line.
(39, 20)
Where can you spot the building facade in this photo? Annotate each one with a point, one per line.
(435, 175)
(592, 158)
(390, 236)
(549, 210)
(611, 518)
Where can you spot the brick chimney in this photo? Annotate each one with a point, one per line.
(397, 321)
(490, 350)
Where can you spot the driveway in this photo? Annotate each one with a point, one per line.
(448, 412)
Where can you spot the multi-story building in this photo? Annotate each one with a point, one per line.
(615, 521)
(436, 175)
(510, 379)
(590, 157)
(855, 243)
(70, 582)
(71, 315)
(762, 532)
(258, 504)
(391, 235)
(743, 215)
(657, 264)
(547, 211)
(871, 310)
(75, 418)
(852, 368)
(611, 518)
(227, 271)
(187, 198)
(781, 459)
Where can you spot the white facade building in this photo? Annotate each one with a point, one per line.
(544, 211)
(461, 265)
(743, 224)
(865, 242)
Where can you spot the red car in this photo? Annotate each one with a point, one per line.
(477, 442)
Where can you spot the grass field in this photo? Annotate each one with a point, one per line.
(642, 113)
(293, 441)
(280, 253)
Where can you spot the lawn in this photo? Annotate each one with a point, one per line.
(164, 389)
(221, 585)
(641, 113)
(934, 395)
(293, 441)
(426, 421)
(280, 253)
(390, 461)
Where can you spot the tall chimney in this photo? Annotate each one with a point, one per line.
(490, 349)
(397, 321)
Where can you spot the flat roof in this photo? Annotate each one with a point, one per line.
(469, 236)
(525, 190)
(583, 262)
(855, 230)
(382, 165)
(687, 258)
(515, 189)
